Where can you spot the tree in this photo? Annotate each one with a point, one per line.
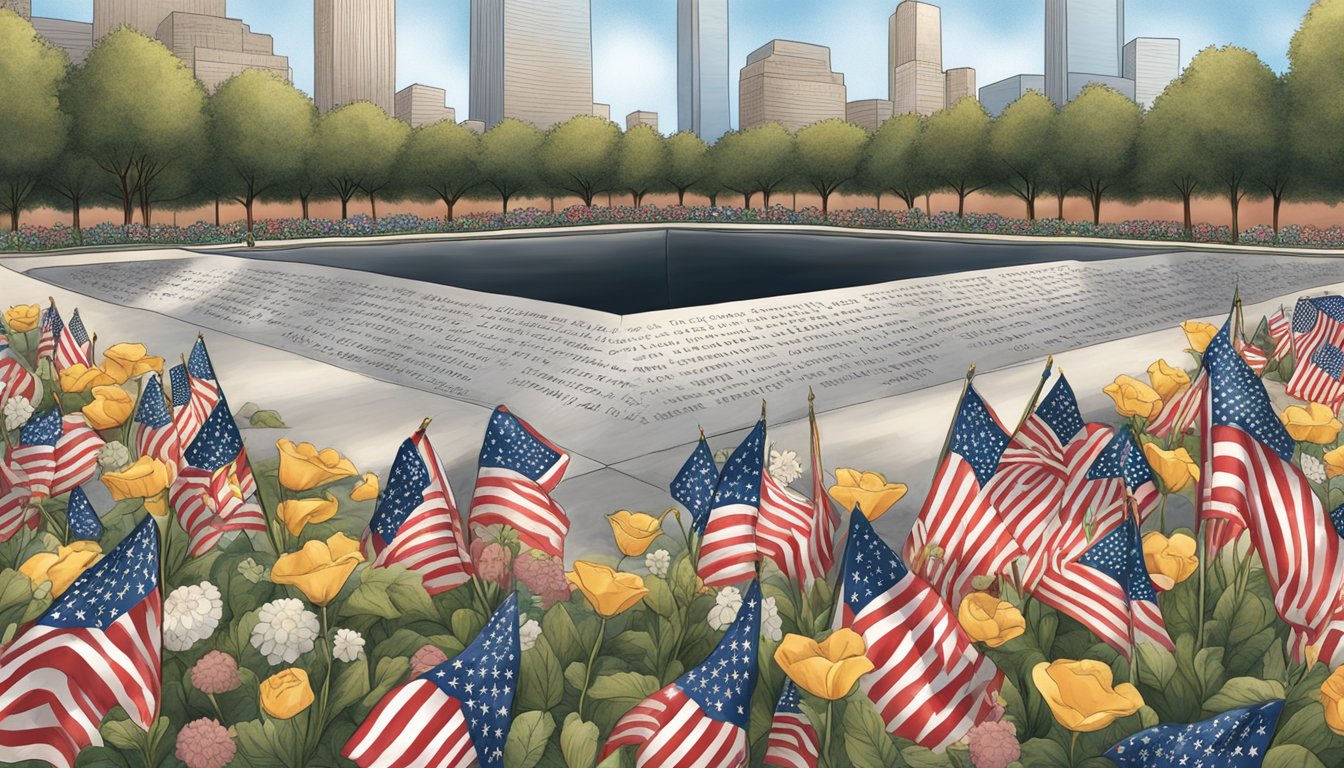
(642, 162)
(1169, 155)
(1021, 141)
(687, 163)
(1098, 132)
(32, 128)
(1279, 168)
(138, 113)
(442, 160)
(954, 149)
(1315, 91)
(70, 183)
(579, 156)
(260, 129)
(384, 144)
(829, 154)
(890, 165)
(355, 148)
(509, 153)
(756, 160)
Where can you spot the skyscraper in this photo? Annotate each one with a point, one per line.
(791, 84)
(532, 60)
(22, 7)
(915, 80)
(1152, 63)
(703, 86)
(145, 16)
(1083, 39)
(960, 85)
(216, 48)
(355, 53)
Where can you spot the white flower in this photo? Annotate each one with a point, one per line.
(17, 412)
(724, 612)
(250, 570)
(284, 630)
(190, 615)
(784, 466)
(347, 645)
(1313, 468)
(658, 561)
(113, 456)
(771, 625)
(528, 632)
(722, 455)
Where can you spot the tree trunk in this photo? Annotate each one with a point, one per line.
(961, 204)
(1096, 206)
(373, 206)
(637, 198)
(879, 202)
(713, 199)
(1031, 207)
(449, 203)
(609, 204)
(345, 207)
(681, 197)
(1234, 198)
(1060, 196)
(248, 207)
(145, 209)
(303, 201)
(1189, 218)
(217, 211)
(746, 199)
(505, 198)
(1278, 204)
(825, 205)
(74, 209)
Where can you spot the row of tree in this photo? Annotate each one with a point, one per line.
(132, 125)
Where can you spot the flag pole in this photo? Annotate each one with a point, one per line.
(1035, 396)
(951, 428)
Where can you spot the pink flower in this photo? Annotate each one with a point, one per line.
(215, 673)
(425, 659)
(490, 565)
(205, 743)
(994, 744)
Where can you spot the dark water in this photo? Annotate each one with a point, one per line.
(629, 272)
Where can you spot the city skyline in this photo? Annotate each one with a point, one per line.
(998, 39)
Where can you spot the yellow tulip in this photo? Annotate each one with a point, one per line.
(1176, 468)
(146, 479)
(320, 569)
(1169, 561)
(1167, 380)
(990, 620)
(1314, 424)
(635, 531)
(298, 513)
(1334, 462)
(1134, 398)
(870, 491)
(111, 407)
(609, 591)
(62, 567)
(1199, 335)
(367, 490)
(80, 378)
(303, 467)
(827, 670)
(286, 693)
(1332, 699)
(23, 317)
(1081, 694)
(124, 362)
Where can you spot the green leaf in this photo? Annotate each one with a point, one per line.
(391, 593)
(387, 675)
(467, 624)
(578, 742)
(527, 739)
(625, 689)
(124, 735)
(558, 627)
(575, 675)
(635, 647)
(1243, 692)
(541, 682)
(1044, 753)
(1291, 756)
(916, 757)
(660, 599)
(1148, 717)
(351, 685)
(1157, 665)
(1209, 671)
(267, 420)
(865, 735)
(1306, 728)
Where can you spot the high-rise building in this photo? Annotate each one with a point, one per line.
(640, 117)
(996, 97)
(1083, 39)
(1152, 63)
(915, 81)
(216, 48)
(868, 113)
(355, 53)
(145, 16)
(73, 37)
(22, 7)
(790, 83)
(960, 85)
(602, 110)
(532, 60)
(422, 105)
(703, 85)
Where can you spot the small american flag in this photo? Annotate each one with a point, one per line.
(728, 549)
(1319, 328)
(209, 495)
(694, 484)
(453, 716)
(783, 529)
(85, 525)
(97, 648)
(1281, 332)
(73, 344)
(207, 396)
(792, 742)
(193, 401)
(1181, 414)
(49, 334)
(1254, 356)
(15, 511)
(417, 523)
(35, 455)
(517, 471)
(930, 684)
(76, 454)
(15, 380)
(155, 433)
(700, 719)
(1236, 739)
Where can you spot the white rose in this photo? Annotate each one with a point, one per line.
(347, 645)
(1313, 468)
(190, 615)
(784, 466)
(284, 631)
(528, 632)
(658, 562)
(772, 627)
(17, 412)
(113, 456)
(727, 604)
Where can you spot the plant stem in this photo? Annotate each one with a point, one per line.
(592, 659)
(1162, 514)
(829, 744)
(1200, 541)
(1073, 746)
(218, 712)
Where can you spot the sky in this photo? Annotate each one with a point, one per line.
(635, 41)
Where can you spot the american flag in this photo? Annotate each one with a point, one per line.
(155, 433)
(49, 333)
(1181, 414)
(210, 494)
(417, 523)
(35, 455)
(15, 512)
(694, 484)
(958, 515)
(728, 549)
(15, 380)
(784, 528)
(95, 649)
(1254, 356)
(821, 540)
(517, 471)
(1319, 328)
(453, 716)
(76, 454)
(792, 742)
(82, 518)
(73, 344)
(1281, 332)
(207, 397)
(1236, 739)
(700, 719)
(930, 684)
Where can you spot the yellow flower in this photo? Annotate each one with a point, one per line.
(297, 513)
(990, 620)
(635, 531)
(1081, 695)
(1198, 334)
(1169, 561)
(146, 479)
(320, 569)
(79, 378)
(1134, 398)
(23, 317)
(870, 491)
(827, 670)
(1176, 468)
(124, 362)
(367, 490)
(62, 567)
(303, 467)
(1314, 424)
(1334, 462)
(111, 407)
(609, 591)
(286, 693)
(1167, 380)
(1332, 698)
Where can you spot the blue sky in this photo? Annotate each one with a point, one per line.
(634, 41)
